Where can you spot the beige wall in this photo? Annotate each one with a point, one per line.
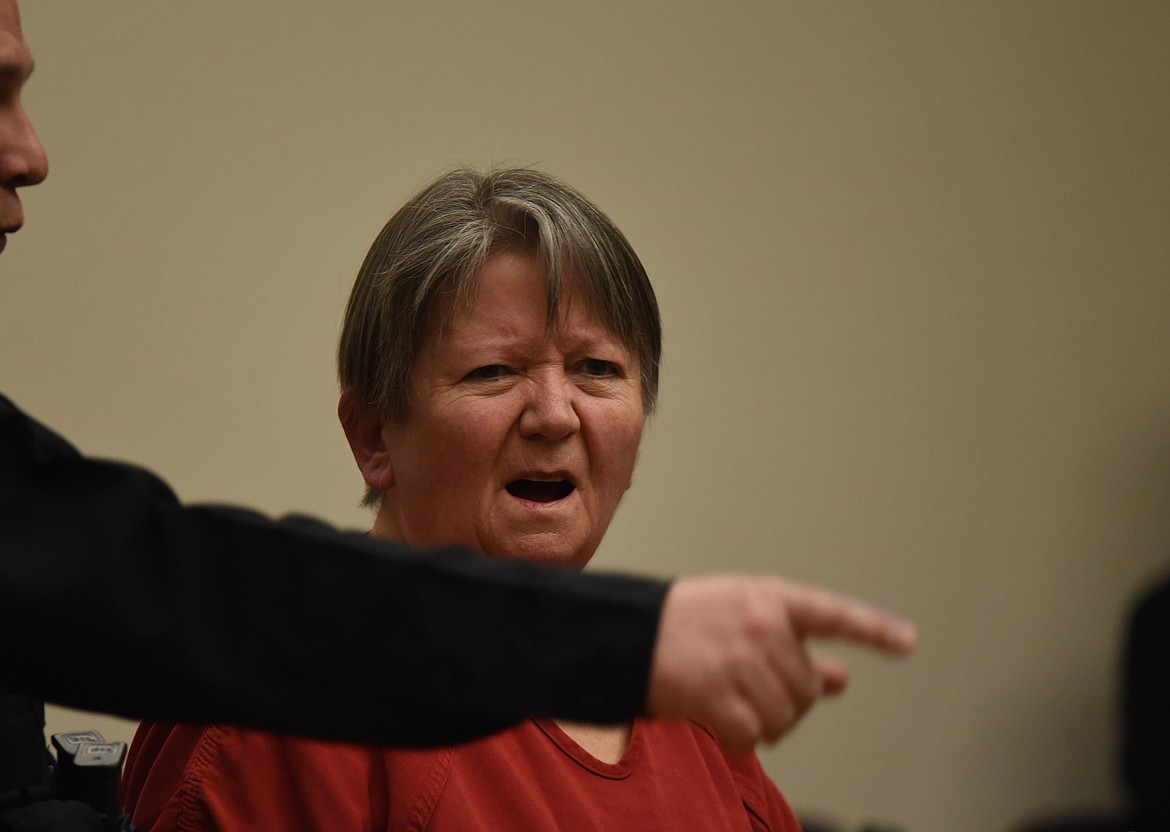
(914, 263)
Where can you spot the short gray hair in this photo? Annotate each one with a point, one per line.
(435, 245)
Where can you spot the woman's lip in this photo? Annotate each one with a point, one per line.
(544, 476)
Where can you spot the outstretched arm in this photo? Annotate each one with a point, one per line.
(114, 597)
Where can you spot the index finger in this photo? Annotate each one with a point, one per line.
(820, 613)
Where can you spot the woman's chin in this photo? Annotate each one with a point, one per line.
(540, 549)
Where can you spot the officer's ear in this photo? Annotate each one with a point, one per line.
(364, 428)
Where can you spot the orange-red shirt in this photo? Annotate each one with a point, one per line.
(533, 777)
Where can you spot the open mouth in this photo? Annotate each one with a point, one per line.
(540, 491)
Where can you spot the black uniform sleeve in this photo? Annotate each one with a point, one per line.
(1146, 709)
(116, 598)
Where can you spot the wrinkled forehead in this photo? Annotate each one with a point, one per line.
(563, 294)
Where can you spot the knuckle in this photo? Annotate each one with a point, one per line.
(739, 660)
(763, 622)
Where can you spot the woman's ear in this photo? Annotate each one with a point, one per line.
(363, 428)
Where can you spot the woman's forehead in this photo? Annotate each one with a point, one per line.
(496, 324)
(514, 287)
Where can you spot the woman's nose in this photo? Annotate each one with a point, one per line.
(549, 413)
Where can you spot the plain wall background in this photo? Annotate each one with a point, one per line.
(914, 265)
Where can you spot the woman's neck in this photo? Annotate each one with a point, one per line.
(607, 743)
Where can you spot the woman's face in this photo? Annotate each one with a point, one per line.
(519, 440)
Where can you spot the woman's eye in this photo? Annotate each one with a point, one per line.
(598, 368)
(490, 372)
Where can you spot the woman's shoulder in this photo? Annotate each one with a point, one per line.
(194, 777)
(156, 765)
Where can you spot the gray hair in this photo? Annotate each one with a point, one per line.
(435, 245)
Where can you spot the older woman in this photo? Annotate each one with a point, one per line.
(499, 356)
